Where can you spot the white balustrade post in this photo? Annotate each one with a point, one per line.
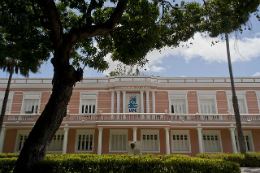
(100, 140)
(233, 140)
(142, 102)
(167, 140)
(65, 140)
(112, 103)
(200, 139)
(124, 95)
(118, 102)
(135, 134)
(153, 100)
(2, 138)
(147, 104)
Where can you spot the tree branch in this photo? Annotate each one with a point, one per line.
(77, 34)
(54, 21)
(36, 12)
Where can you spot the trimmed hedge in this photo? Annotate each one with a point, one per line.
(244, 160)
(90, 163)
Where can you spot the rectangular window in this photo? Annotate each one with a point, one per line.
(150, 140)
(21, 138)
(178, 106)
(207, 103)
(31, 106)
(207, 106)
(118, 140)
(241, 104)
(248, 141)
(211, 141)
(180, 141)
(88, 104)
(57, 142)
(55, 145)
(85, 140)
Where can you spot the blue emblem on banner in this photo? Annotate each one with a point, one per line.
(132, 103)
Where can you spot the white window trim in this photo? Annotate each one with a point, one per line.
(61, 132)
(88, 93)
(10, 97)
(181, 132)
(249, 133)
(22, 132)
(155, 132)
(258, 101)
(240, 96)
(209, 132)
(181, 95)
(203, 96)
(33, 95)
(118, 132)
(88, 132)
(27, 132)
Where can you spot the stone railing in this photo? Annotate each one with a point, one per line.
(139, 117)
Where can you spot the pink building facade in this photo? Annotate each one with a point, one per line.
(167, 115)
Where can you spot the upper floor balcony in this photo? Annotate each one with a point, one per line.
(138, 117)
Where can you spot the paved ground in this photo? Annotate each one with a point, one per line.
(250, 169)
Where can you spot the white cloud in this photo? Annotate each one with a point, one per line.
(244, 49)
(256, 74)
(155, 68)
(112, 64)
(241, 50)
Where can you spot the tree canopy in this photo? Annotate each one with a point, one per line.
(126, 29)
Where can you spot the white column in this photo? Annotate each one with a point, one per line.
(100, 140)
(153, 100)
(124, 92)
(135, 134)
(167, 140)
(65, 140)
(118, 101)
(142, 101)
(2, 139)
(112, 101)
(233, 140)
(200, 139)
(147, 102)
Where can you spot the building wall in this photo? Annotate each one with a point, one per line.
(17, 103)
(222, 103)
(10, 141)
(251, 101)
(192, 100)
(161, 106)
(161, 101)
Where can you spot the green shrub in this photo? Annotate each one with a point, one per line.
(246, 160)
(7, 164)
(91, 163)
(9, 155)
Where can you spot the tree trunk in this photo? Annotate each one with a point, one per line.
(241, 139)
(35, 147)
(6, 99)
(240, 134)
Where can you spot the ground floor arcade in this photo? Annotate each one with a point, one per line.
(157, 139)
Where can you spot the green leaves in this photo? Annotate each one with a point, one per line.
(144, 26)
(22, 39)
(60, 163)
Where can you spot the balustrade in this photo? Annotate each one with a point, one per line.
(140, 117)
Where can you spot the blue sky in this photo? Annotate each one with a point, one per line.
(199, 60)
